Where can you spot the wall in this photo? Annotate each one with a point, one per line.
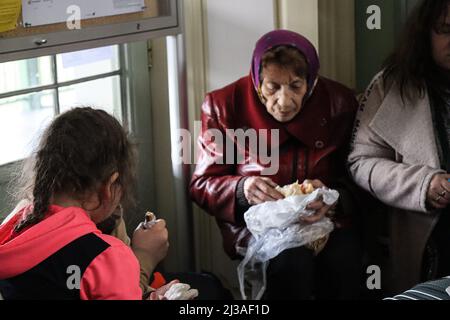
(164, 201)
(230, 30)
(233, 27)
(337, 40)
(236, 25)
(374, 46)
(301, 16)
(220, 37)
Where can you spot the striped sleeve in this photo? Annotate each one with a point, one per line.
(432, 290)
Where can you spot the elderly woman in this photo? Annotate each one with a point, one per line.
(401, 146)
(314, 118)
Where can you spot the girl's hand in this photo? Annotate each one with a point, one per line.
(151, 244)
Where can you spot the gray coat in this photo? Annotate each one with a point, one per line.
(394, 156)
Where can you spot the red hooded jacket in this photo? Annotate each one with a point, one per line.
(35, 264)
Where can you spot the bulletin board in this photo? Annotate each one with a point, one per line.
(159, 18)
(152, 10)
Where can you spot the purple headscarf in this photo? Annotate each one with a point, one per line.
(285, 38)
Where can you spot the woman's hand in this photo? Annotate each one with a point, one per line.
(438, 195)
(159, 293)
(258, 190)
(151, 244)
(320, 208)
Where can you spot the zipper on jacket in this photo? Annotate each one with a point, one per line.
(295, 165)
(303, 159)
(306, 163)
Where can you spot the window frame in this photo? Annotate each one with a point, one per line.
(57, 84)
(136, 115)
(16, 48)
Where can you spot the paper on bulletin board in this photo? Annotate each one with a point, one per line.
(9, 13)
(42, 12)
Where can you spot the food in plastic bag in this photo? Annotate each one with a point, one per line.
(296, 189)
(276, 226)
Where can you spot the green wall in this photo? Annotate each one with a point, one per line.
(373, 46)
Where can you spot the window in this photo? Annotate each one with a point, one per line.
(33, 91)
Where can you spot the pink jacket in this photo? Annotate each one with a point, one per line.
(113, 274)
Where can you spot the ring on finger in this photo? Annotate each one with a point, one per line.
(438, 198)
(443, 193)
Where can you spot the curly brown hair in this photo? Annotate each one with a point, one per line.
(77, 154)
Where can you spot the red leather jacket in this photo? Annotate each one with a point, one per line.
(311, 146)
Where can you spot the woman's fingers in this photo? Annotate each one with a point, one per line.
(440, 202)
(267, 187)
(258, 190)
(314, 218)
(316, 205)
(438, 195)
(256, 196)
(321, 211)
(445, 185)
(270, 182)
(437, 205)
(437, 201)
(259, 197)
(310, 220)
(444, 195)
(316, 183)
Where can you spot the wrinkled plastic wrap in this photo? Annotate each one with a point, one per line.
(181, 291)
(275, 227)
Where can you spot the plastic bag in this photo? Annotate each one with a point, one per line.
(275, 227)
